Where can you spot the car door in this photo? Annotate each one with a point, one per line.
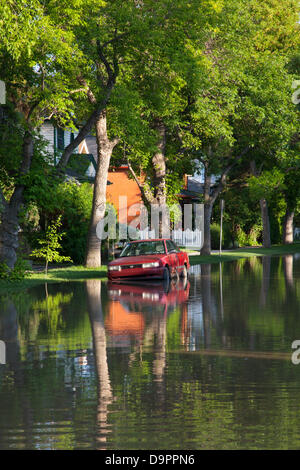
(173, 256)
(181, 257)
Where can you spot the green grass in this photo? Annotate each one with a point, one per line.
(65, 274)
(80, 273)
(245, 253)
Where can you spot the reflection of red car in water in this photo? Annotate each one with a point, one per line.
(135, 297)
(156, 259)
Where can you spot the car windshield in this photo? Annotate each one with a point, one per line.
(144, 248)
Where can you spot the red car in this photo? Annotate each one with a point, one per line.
(156, 259)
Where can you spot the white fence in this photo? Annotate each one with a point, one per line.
(188, 238)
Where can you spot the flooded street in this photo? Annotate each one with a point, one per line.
(198, 364)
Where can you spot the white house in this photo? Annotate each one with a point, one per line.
(58, 139)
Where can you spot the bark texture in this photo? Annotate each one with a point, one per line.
(288, 227)
(104, 148)
(206, 248)
(9, 227)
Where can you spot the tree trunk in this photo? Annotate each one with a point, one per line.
(159, 166)
(266, 223)
(9, 242)
(9, 227)
(264, 211)
(104, 150)
(288, 229)
(206, 248)
(159, 181)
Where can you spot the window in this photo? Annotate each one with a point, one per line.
(60, 139)
(143, 248)
(171, 247)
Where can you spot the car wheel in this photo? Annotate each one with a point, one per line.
(166, 274)
(184, 272)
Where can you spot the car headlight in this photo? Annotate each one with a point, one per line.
(155, 264)
(114, 268)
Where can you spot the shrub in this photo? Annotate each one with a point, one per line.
(17, 273)
(254, 234)
(215, 230)
(241, 236)
(215, 235)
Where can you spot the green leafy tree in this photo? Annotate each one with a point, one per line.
(32, 51)
(243, 110)
(51, 245)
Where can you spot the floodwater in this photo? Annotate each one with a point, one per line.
(203, 364)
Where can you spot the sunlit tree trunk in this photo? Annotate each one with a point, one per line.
(104, 151)
(288, 227)
(159, 181)
(206, 248)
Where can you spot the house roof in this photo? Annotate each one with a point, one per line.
(78, 165)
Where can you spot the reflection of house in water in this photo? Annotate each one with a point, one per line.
(123, 325)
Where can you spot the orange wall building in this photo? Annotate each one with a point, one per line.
(122, 185)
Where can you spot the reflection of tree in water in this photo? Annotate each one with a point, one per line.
(265, 282)
(105, 396)
(288, 263)
(14, 369)
(206, 302)
(252, 297)
(153, 304)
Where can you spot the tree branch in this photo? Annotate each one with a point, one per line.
(85, 130)
(224, 175)
(115, 142)
(88, 91)
(115, 39)
(78, 90)
(147, 195)
(109, 70)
